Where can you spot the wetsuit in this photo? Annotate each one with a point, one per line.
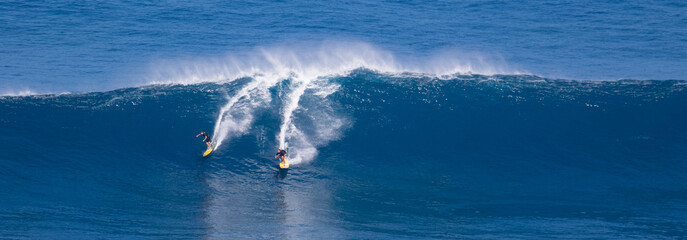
(281, 153)
(207, 137)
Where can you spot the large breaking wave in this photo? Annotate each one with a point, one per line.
(298, 93)
(409, 144)
(303, 112)
(305, 70)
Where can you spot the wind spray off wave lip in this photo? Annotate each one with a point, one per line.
(323, 59)
(302, 69)
(298, 70)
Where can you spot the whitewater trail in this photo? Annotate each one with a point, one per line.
(304, 68)
(226, 122)
(303, 149)
(235, 117)
(290, 106)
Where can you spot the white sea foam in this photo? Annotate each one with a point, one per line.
(236, 115)
(325, 59)
(19, 94)
(306, 68)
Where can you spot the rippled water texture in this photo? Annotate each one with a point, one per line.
(403, 120)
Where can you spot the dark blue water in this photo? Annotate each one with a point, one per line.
(513, 157)
(57, 46)
(403, 120)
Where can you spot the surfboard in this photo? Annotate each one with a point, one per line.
(285, 164)
(207, 152)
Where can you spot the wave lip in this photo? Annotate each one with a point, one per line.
(325, 59)
(303, 69)
(311, 61)
(23, 93)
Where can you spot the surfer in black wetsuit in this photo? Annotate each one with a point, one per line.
(281, 154)
(206, 139)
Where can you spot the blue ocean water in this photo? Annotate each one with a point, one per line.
(403, 119)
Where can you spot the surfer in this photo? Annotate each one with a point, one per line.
(281, 154)
(206, 139)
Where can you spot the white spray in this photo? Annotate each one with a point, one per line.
(287, 113)
(306, 68)
(226, 122)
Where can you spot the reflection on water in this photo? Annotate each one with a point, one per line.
(281, 174)
(250, 198)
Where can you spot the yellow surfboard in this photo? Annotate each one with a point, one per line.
(207, 152)
(285, 164)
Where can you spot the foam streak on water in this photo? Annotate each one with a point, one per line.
(235, 117)
(287, 113)
(301, 69)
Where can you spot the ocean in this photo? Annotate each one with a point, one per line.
(402, 120)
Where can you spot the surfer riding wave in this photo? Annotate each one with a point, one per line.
(281, 154)
(206, 139)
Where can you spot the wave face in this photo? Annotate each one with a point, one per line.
(374, 155)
